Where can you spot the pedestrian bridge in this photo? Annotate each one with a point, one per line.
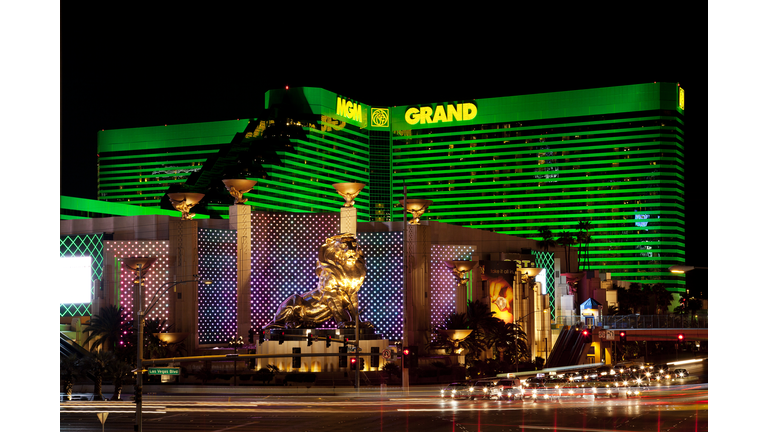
(643, 327)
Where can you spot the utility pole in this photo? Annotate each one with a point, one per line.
(404, 371)
(140, 354)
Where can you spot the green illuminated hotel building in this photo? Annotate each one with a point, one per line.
(610, 156)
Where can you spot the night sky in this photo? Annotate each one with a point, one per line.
(122, 79)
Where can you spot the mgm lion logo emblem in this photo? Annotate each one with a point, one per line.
(380, 117)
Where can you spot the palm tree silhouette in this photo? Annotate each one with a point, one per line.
(107, 327)
(584, 238)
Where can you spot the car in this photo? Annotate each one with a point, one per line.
(485, 389)
(509, 388)
(455, 390)
(680, 373)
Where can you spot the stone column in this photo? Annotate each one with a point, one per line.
(419, 256)
(349, 220)
(240, 220)
(184, 264)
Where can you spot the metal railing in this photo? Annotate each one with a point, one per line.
(639, 321)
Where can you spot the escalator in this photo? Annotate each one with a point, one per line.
(68, 347)
(555, 358)
(568, 348)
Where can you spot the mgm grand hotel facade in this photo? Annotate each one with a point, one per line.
(496, 171)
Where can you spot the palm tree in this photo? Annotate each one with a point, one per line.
(508, 338)
(633, 299)
(154, 346)
(547, 238)
(584, 237)
(68, 373)
(107, 328)
(662, 297)
(479, 316)
(566, 240)
(118, 370)
(96, 365)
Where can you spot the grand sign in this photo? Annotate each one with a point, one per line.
(441, 114)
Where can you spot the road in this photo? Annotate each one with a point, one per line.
(673, 408)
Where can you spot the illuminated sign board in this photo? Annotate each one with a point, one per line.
(681, 99)
(441, 114)
(380, 117)
(349, 109)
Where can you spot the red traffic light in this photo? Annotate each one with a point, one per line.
(585, 332)
(406, 351)
(353, 360)
(681, 337)
(622, 334)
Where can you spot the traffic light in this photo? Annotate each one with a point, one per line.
(137, 396)
(353, 363)
(346, 342)
(261, 337)
(250, 335)
(309, 339)
(414, 357)
(623, 336)
(328, 341)
(406, 358)
(587, 333)
(681, 337)
(281, 338)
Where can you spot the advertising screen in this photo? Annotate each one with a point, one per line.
(76, 279)
(500, 276)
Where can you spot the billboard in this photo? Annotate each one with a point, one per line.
(499, 277)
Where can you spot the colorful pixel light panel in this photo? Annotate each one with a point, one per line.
(217, 303)
(443, 282)
(82, 245)
(284, 249)
(381, 296)
(157, 277)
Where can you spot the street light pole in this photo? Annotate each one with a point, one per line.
(140, 314)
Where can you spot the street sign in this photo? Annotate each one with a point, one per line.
(164, 371)
(387, 354)
(610, 335)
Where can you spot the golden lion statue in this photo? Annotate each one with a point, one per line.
(341, 272)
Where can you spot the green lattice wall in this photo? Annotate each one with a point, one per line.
(83, 245)
(546, 260)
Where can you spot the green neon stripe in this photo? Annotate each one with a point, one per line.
(301, 163)
(345, 154)
(151, 163)
(486, 164)
(141, 170)
(527, 148)
(580, 144)
(292, 191)
(146, 183)
(315, 186)
(164, 154)
(437, 205)
(560, 216)
(499, 196)
(449, 159)
(664, 177)
(333, 127)
(527, 188)
(331, 180)
(351, 144)
(551, 126)
(432, 173)
(116, 209)
(303, 152)
(105, 179)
